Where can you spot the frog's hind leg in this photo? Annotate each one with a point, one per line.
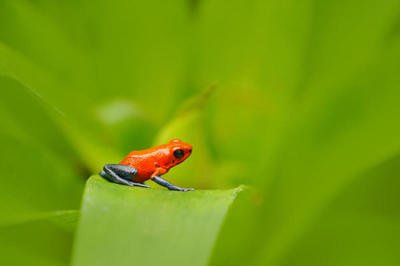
(120, 174)
(165, 183)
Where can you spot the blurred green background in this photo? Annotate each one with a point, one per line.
(298, 100)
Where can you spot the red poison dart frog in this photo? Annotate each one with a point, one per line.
(140, 166)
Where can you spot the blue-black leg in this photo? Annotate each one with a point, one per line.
(165, 183)
(121, 174)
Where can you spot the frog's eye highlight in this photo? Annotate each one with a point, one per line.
(179, 153)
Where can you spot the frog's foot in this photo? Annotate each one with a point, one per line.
(165, 183)
(120, 174)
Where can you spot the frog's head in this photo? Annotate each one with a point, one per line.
(179, 151)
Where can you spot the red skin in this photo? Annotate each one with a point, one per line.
(156, 161)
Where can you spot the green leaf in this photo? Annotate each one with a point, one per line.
(361, 224)
(38, 180)
(65, 219)
(37, 159)
(38, 239)
(126, 225)
(342, 120)
(92, 63)
(35, 81)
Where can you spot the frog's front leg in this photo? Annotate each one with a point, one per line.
(165, 183)
(121, 174)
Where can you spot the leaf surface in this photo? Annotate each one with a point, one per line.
(148, 226)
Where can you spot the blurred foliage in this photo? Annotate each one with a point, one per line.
(299, 99)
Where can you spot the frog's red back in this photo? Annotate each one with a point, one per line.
(162, 157)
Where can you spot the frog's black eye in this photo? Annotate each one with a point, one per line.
(179, 154)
